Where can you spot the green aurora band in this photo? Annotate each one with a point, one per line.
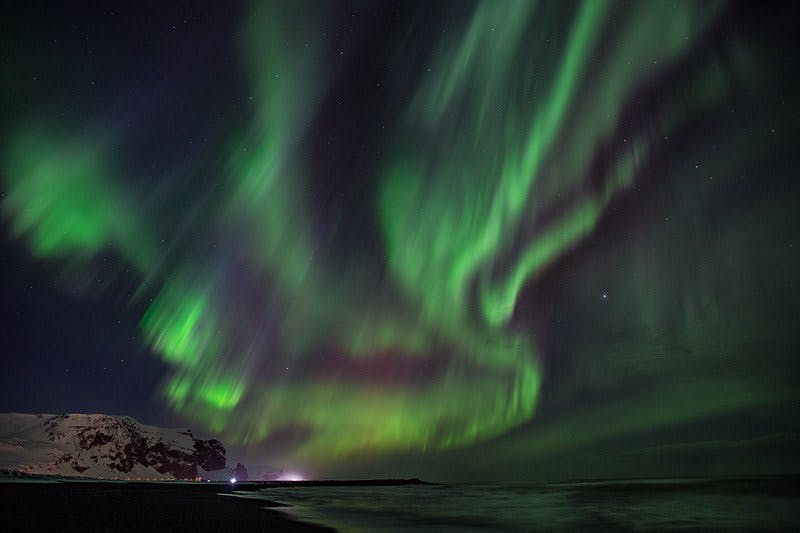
(490, 176)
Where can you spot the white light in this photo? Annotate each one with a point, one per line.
(233, 480)
(291, 476)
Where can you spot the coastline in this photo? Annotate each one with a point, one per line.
(653, 504)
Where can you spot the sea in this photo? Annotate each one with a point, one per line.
(619, 505)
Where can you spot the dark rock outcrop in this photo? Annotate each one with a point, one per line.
(210, 454)
(239, 473)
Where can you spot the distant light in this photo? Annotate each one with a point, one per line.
(291, 476)
(233, 480)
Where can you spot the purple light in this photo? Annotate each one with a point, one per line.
(291, 476)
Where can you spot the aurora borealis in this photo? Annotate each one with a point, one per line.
(359, 234)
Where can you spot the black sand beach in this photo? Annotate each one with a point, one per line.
(677, 504)
(97, 506)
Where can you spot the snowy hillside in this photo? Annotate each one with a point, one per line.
(103, 446)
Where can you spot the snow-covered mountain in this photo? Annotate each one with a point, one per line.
(103, 446)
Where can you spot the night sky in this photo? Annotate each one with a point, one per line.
(455, 240)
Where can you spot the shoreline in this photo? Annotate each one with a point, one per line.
(708, 504)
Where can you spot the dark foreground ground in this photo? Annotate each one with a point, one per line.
(638, 505)
(141, 507)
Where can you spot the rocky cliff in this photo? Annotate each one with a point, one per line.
(103, 446)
